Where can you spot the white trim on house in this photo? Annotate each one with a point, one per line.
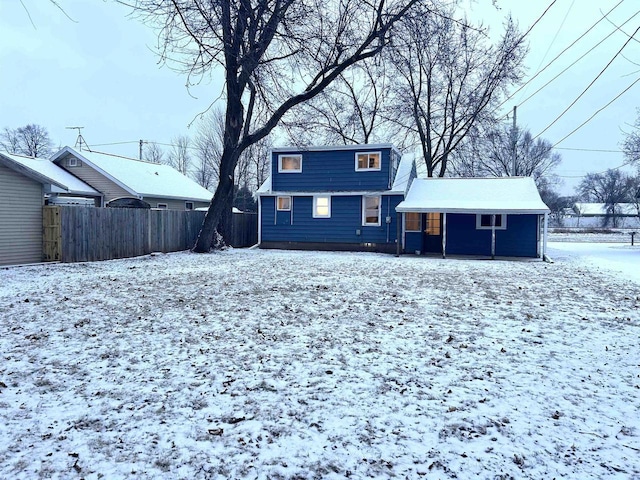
(291, 170)
(500, 224)
(364, 211)
(315, 206)
(373, 146)
(286, 199)
(368, 169)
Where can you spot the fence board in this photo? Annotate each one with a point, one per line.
(86, 234)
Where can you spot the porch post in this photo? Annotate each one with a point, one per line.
(493, 237)
(399, 238)
(444, 235)
(544, 235)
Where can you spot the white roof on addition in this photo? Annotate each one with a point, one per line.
(142, 178)
(516, 195)
(47, 172)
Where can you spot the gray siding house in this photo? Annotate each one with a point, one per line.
(24, 184)
(161, 186)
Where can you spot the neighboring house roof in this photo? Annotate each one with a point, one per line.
(140, 178)
(601, 210)
(515, 195)
(57, 179)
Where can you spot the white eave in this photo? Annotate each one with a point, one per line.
(511, 195)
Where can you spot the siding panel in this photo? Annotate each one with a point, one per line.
(20, 218)
(344, 226)
(331, 171)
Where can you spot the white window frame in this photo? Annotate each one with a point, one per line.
(315, 206)
(72, 162)
(186, 206)
(364, 211)
(419, 229)
(479, 225)
(282, 170)
(369, 169)
(278, 203)
(163, 206)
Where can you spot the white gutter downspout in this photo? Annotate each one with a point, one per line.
(544, 235)
(260, 219)
(444, 235)
(493, 237)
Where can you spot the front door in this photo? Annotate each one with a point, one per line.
(432, 235)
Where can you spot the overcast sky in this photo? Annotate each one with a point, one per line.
(99, 71)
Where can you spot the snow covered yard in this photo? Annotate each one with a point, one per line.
(267, 364)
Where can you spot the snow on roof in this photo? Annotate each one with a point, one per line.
(140, 177)
(600, 209)
(473, 195)
(404, 175)
(324, 148)
(45, 171)
(265, 187)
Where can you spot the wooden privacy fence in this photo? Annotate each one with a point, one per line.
(85, 234)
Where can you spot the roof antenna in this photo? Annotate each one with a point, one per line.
(80, 140)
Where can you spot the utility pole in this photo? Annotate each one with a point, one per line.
(141, 142)
(514, 134)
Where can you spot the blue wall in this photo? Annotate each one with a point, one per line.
(346, 218)
(518, 240)
(331, 171)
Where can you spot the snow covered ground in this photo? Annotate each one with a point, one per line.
(268, 364)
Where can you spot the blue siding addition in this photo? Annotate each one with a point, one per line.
(344, 226)
(518, 240)
(331, 171)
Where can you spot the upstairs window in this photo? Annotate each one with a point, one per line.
(289, 163)
(322, 207)
(371, 211)
(483, 222)
(284, 204)
(72, 162)
(369, 161)
(188, 205)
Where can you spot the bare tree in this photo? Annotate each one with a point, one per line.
(179, 157)
(507, 152)
(153, 153)
(208, 148)
(610, 188)
(276, 54)
(31, 140)
(631, 143)
(448, 79)
(350, 111)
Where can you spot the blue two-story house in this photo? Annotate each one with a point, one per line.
(366, 197)
(337, 198)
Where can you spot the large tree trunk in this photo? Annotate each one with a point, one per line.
(218, 216)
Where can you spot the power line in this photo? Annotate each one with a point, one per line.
(576, 61)
(597, 112)
(563, 52)
(588, 86)
(588, 150)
